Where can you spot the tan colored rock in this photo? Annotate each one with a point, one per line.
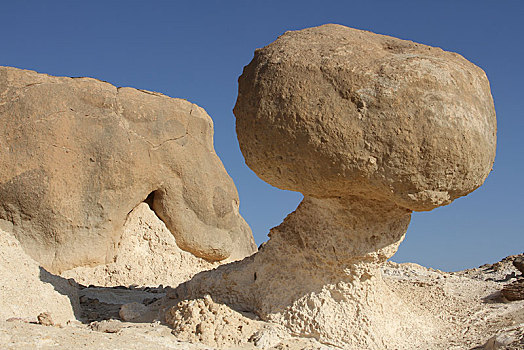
(514, 290)
(27, 291)
(510, 338)
(204, 321)
(518, 262)
(466, 309)
(368, 128)
(368, 114)
(78, 154)
(319, 276)
(106, 326)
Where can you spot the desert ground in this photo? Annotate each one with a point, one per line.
(468, 306)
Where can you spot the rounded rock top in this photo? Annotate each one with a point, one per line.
(333, 111)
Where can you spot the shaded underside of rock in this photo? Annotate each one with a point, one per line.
(331, 111)
(78, 154)
(147, 255)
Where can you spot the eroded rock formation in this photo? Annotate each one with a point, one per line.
(369, 128)
(147, 255)
(78, 154)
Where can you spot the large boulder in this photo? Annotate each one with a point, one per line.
(78, 154)
(368, 128)
(369, 115)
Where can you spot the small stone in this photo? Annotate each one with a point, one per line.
(132, 311)
(45, 319)
(519, 264)
(106, 326)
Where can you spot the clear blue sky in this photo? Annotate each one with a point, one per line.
(197, 49)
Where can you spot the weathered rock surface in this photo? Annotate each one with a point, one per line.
(468, 311)
(147, 255)
(368, 128)
(106, 326)
(78, 154)
(518, 262)
(45, 319)
(501, 271)
(318, 276)
(514, 290)
(510, 338)
(216, 325)
(29, 292)
(369, 115)
(132, 311)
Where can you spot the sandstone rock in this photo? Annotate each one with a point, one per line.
(518, 262)
(514, 291)
(106, 326)
(27, 290)
(78, 154)
(368, 114)
(269, 337)
(510, 338)
(466, 320)
(368, 128)
(202, 320)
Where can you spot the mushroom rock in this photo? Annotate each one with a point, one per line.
(369, 128)
(333, 111)
(78, 154)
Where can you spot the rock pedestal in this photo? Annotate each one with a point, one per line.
(369, 128)
(319, 276)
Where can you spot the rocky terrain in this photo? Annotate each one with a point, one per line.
(471, 311)
(468, 306)
(119, 226)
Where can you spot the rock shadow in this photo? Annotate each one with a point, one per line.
(96, 303)
(66, 287)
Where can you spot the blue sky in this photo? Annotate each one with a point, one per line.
(196, 50)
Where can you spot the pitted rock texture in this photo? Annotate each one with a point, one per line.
(78, 154)
(368, 114)
(202, 320)
(318, 276)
